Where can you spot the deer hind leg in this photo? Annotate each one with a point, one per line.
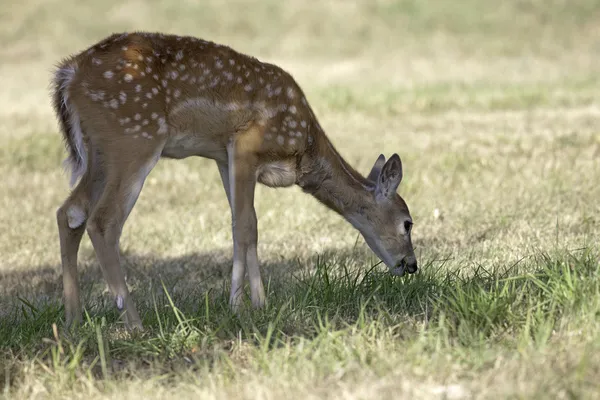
(123, 186)
(71, 218)
(242, 182)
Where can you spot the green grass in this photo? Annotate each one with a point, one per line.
(493, 110)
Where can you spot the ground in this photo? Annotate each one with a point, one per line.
(492, 107)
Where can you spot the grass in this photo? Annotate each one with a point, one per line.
(492, 108)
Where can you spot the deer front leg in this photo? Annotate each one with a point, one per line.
(224, 173)
(242, 182)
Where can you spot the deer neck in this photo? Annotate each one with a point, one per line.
(331, 180)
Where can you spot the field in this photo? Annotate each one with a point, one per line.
(493, 108)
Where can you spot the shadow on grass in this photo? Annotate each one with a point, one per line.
(183, 304)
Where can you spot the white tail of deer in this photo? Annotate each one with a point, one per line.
(133, 98)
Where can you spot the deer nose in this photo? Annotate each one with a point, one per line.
(410, 264)
(412, 267)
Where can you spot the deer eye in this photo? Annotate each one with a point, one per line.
(407, 226)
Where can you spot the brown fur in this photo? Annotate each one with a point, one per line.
(133, 98)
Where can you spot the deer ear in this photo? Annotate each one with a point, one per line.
(376, 168)
(390, 177)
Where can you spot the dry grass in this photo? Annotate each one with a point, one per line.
(492, 108)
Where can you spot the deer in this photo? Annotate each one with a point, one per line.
(133, 98)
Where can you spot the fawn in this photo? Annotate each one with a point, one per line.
(133, 98)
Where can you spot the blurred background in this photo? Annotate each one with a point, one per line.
(397, 55)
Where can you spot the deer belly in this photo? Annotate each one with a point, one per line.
(277, 174)
(186, 145)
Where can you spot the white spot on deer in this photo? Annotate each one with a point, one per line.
(154, 115)
(137, 117)
(177, 93)
(248, 88)
(268, 136)
(148, 69)
(149, 59)
(303, 124)
(75, 217)
(128, 78)
(140, 57)
(185, 77)
(108, 74)
(145, 122)
(293, 109)
(218, 64)
(146, 135)
(138, 88)
(228, 75)
(179, 55)
(96, 61)
(124, 48)
(162, 126)
(97, 95)
(174, 75)
(292, 142)
(290, 93)
(149, 95)
(122, 97)
(145, 105)
(239, 80)
(292, 124)
(193, 80)
(155, 90)
(280, 140)
(114, 103)
(135, 66)
(136, 99)
(231, 61)
(164, 83)
(155, 76)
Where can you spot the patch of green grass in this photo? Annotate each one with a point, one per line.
(464, 314)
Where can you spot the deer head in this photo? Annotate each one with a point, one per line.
(384, 219)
